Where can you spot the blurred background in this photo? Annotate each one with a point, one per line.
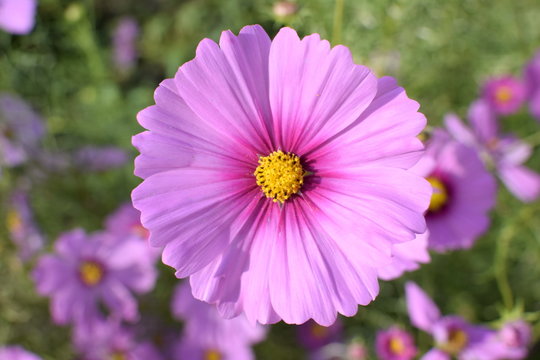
(89, 66)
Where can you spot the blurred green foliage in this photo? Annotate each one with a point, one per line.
(440, 51)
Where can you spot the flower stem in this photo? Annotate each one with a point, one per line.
(338, 21)
(501, 276)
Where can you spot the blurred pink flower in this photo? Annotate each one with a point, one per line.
(18, 16)
(395, 344)
(303, 245)
(314, 336)
(532, 83)
(125, 37)
(504, 94)
(504, 152)
(15, 352)
(22, 228)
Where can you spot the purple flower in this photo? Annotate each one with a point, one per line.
(314, 336)
(205, 327)
(87, 270)
(124, 43)
(395, 344)
(511, 342)
(91, 158)
(100, 340)
(406, 257)
(15, 352)
(532, 84)
(23, 230)
(504, 95)
(126, 220)
(275, 176)
(18, 16)
(463, 193)
(21, 130)
(505, 153)
(453, 336)
(188, 348)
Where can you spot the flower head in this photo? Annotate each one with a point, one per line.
(505, 94)
(504, 152)
(395, 344)
(87, 270)
(301, 238)
(22, 228)
(108, 339)
(15, 352)
(17, 16)
(314, 336)
(453, 336)
(20, 130)
(463, 193)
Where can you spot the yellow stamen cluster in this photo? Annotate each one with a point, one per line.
(212, 355)
(118, 356)
(457, 340)
(91, 273)
(439, 198)
(503, 94)
(280, 175)
(319, 331)
(396, 346)
(13, 220)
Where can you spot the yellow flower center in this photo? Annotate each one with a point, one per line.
(396, 346)
(212, 355)
(503, 94)
(457, 340)
(91, 273)
(280, 175)
(439, 198)
(319, 331)
(118, 355)
(13, 220)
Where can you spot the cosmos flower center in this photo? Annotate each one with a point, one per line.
(13, 221)
(91, 273)
(457, 340)
(118, 355)
(396, 346)
(319, 331)
(280, 175)
(212, 355)
(503, 94)
(439, 198)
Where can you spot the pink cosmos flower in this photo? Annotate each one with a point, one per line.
(532, 84)
(463, 193)
(511, 342)
(406, 257)
(17, 16)
(16, 353)
(395, 344)
(504, 94)
(206, 330)
(454, 337)
(276, 176)
(504, 152)
(87, 270)
(108, 339)
(314, 336)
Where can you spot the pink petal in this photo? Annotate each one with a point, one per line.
(436, 354)
(422, 310)
(406, 257)
(384, 134)
(459, 131)
(190, 211)
(18, 16)
(226, 90)
(313, 100)
(520, 181)
(484, 121)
